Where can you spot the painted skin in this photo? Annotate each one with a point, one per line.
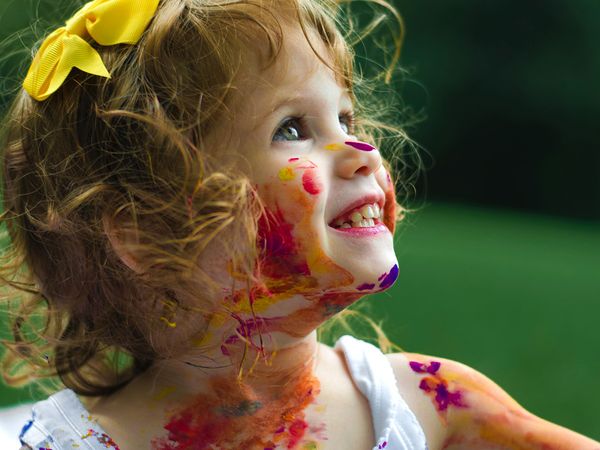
(308, 272)
(474, 413)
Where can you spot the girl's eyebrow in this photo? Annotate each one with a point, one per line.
(299, 99)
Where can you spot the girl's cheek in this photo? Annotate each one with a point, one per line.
(390, 207)
(311, 183)
(298, 178)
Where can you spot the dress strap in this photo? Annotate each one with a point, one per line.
(62, 423)
(393, 421)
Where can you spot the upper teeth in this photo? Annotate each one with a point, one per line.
(361, 217)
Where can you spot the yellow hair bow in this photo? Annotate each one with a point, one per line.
(107, 22)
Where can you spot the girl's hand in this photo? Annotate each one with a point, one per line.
(460, 408)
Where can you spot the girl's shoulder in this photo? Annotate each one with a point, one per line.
(62, 420)
(459, 407)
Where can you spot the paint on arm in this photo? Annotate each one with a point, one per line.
(478, 414)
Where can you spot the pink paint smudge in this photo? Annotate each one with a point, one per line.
(310, 183)
(362, 146)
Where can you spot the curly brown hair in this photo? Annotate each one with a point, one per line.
(127, 156)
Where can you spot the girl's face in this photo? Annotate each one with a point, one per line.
(330, 202)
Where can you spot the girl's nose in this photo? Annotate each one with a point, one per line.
(355, 158)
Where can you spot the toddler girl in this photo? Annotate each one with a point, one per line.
(188, 198)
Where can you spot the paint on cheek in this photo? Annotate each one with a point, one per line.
(389, 209)
(286, 174)
(388, 279)
(310, 183)
(293, 159)
(279, 248)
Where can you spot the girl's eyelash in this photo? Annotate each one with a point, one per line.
(350, 120)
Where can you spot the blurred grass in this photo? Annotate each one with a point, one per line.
(515, 296)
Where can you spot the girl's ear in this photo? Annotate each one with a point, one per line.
(122, 243)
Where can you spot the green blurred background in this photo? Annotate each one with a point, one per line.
(500, 265)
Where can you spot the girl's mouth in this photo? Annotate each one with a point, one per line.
(365, 216)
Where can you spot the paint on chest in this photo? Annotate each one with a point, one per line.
(234, 416)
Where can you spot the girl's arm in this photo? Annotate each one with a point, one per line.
(460, 408)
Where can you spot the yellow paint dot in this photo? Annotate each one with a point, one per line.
(287, 174)
(334, 147)
(164, 392)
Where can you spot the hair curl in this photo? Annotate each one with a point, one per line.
(129, 151)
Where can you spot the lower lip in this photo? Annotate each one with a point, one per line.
(362, 231)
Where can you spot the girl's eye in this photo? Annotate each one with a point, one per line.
(347, 122)
(291, 130)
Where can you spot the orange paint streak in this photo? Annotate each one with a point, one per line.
(242, 418)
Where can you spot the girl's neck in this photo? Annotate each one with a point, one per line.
(276, 362)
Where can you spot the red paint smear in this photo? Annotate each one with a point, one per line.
(205, 424)
(389, 209)
(293, 159)
(310, 182)
(279, 256)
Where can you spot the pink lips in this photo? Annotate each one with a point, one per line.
(363, 231)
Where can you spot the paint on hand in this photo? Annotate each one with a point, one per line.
(365, 287)
(286, 174)
(388, 279)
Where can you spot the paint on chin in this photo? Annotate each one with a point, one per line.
(389, 278)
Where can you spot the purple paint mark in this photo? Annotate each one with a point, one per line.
(443, 397)
(382, 445)
(389, 278)
(425, 368)
(365, 287)
(362, 146)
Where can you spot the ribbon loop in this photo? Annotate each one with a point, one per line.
(107, 22)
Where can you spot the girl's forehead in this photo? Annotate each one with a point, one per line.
(291, 71)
